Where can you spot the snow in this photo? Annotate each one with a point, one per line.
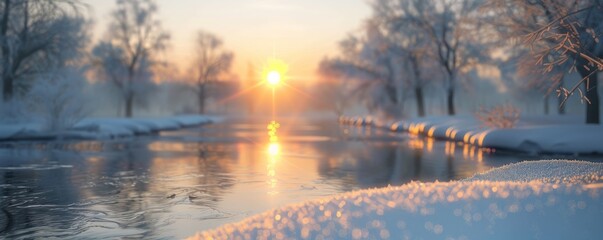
(533, 135)
(103, 128)
(526, 205)
(546, 171)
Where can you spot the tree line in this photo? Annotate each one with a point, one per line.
(404, 49)
(46, 43)
(407, 45)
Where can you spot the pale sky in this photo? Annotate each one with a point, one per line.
(299, 32)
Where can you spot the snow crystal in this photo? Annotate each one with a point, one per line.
(528, 208)
(546, 171)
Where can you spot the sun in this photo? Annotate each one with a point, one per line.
(275, 72)
(274, 77)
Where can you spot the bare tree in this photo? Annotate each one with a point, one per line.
(211, 63)
(413, 46)
(449, 24)
(36, 35)
(370, 61)
(560, 32)
(112, 65)
(130, 52)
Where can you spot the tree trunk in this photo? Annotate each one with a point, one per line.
(130, 89)
(450, 101)
(7, 79)
(592, 93)
(201, 100)
(7, 87)
(560, 98)
(546, 104)
(129, 103)
(420, 101)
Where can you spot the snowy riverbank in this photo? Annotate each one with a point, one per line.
(529, 200)
(102, 128)
(533, 135)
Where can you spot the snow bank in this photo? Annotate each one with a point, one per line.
(103, 128)
(546, 171)
(473, 209)
(533, 135)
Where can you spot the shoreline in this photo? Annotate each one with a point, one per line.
(102, 128)
(533, 138)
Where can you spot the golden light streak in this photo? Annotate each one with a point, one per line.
(273, 104)
(273, 151)
(242, 92)
(299, 91)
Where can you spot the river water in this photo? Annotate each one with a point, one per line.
(177, 183)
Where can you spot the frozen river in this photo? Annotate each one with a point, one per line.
(177, 183)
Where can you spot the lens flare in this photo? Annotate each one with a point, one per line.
(275, 71)
(274, 78)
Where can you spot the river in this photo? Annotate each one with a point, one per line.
(176, 183)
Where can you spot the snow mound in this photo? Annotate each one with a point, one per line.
(546, 171)
(441, 210)
(103, 128)
(533, 135)
(566, 139)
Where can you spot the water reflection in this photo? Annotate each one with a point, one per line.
(273, 151)
(175, 184)
(368, 163)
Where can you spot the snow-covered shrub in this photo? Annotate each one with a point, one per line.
(500, 116)
(56, 99)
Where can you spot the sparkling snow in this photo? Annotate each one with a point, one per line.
(513, 202)
(546, 171)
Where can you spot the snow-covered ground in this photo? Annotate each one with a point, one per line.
(530, 200)
(532, 135)
(102, 128)
(546, 171)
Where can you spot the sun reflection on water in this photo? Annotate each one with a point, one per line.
(273, 151)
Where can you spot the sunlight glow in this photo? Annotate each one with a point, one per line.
(274, 78)
(273, 149)
(275, 71)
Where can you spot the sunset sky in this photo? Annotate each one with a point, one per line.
(300, 32)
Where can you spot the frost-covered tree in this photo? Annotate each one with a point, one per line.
(57, 98)
(370, 61)
(413, 46)
(451, 27)
(559, 32)
(35, 36)
(212, 62)
(130, 52)
(112, 65)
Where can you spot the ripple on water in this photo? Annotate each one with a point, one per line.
(36, 167)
